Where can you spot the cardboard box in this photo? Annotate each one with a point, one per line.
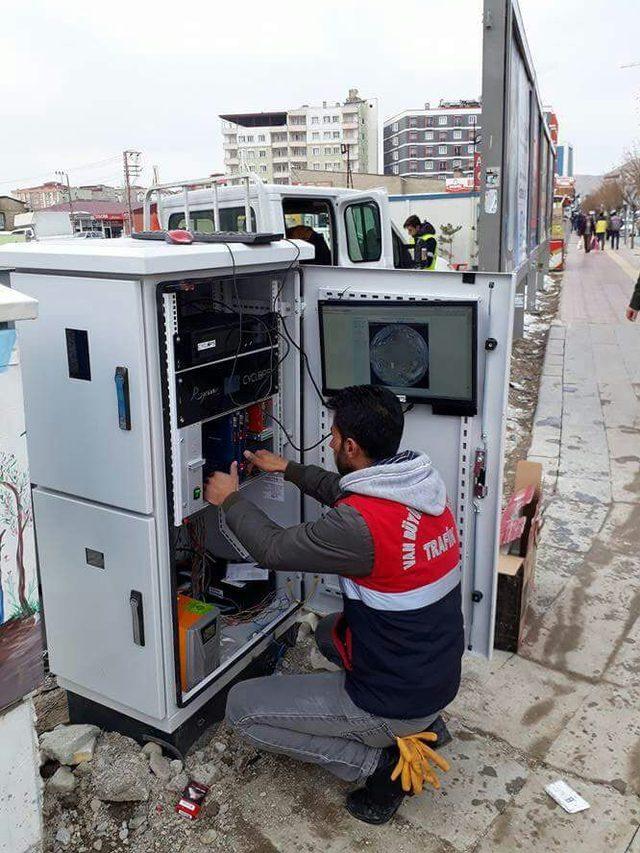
(519, 528)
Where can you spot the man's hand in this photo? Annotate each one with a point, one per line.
(631, 314)
(264, 460)
(220, 485)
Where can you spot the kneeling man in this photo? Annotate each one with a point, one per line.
(392, 539)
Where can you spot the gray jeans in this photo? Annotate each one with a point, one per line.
(312, 718)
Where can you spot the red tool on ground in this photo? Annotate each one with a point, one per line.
(190, 803)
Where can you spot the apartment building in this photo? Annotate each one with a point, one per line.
(437, 142)
(53, 192)
(44, 195)
(321, 138)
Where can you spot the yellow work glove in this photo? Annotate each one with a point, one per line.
(414, 766)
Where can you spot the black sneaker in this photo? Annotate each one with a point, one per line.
(380, 798)
(439, 727)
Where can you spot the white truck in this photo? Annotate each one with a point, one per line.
(42, 223)
(356, 225)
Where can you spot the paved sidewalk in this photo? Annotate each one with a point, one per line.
(569, 706)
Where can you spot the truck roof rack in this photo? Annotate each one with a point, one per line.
(213, 182)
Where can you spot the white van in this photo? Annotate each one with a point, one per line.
(355, 225)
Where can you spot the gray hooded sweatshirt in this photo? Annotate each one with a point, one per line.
(339, 542)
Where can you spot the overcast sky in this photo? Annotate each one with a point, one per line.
(81, 83)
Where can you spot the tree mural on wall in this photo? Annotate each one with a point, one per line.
(447, 233)
(15, 515)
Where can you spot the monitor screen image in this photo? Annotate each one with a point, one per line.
(423, 351)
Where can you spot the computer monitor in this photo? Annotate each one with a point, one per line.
(423, 350)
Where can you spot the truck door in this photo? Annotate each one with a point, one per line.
(364, 230)
(456, 396)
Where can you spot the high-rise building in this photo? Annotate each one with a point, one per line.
(330, 137)
(438, 142)
(564, 160)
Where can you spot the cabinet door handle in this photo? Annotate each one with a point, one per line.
(122, 395)
(137, 617)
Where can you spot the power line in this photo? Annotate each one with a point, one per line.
(44, 175)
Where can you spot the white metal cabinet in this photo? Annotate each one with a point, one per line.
(88, 327)
(451, 441)
(100, 589)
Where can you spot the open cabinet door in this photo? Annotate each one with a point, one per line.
(460, 327)
(364, 230)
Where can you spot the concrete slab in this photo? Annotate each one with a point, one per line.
(557, 331)
(522, 703)
(551, 560)
(555, 344)
(584, 490)
(534, 823)
(484, 777)
(287, 811)
(624, 448)
(602, 741)
(620, 530)
(553, 370)
(546, 441)
(624, 669)
(585, 625)
(554, 359)
(619, 408)
(569, 526)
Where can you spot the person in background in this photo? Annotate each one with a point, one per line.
(585, 230)
(425, 253)
(634, 303)
(615, 224)
(304, 232)
(601, 229)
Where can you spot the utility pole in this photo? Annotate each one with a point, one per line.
(346, 149)
(132, 169)
(62, 174)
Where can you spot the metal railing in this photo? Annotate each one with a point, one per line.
(212, 182)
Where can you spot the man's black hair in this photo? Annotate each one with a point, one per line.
(372, 416)
(412, 220)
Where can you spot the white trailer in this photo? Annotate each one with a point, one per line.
(130, 399)
(38, 224)
(458, 209)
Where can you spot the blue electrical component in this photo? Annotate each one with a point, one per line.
(225, 439)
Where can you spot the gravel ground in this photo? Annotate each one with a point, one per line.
(81, 822)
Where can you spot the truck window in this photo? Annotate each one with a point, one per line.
(231, 219)
(311, 219)
(402, 257)
(364, 235)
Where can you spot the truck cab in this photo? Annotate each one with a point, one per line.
(350, 228)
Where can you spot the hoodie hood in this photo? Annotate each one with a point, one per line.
(409, 479)
(426, 229)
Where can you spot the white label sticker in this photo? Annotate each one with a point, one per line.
(273, 487)
(491, 201)
(566, 797)
(206, 345)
